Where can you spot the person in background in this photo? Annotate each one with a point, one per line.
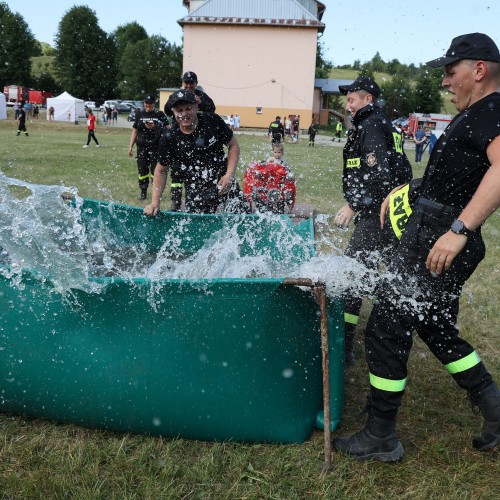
(312, 134)
(276, 132)
(439, 250)
(295, 129)
(277, 157)
(91, 128)
(21, 117)
(196, 143)
(236, 121)
(146, 132)
(374, 163)
(205, 105)
(36, 112)
(16, 110)
(420, 140)
(51, 113)
(338, 130)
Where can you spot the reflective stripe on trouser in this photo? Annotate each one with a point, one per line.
(176, 185)
(412, 299)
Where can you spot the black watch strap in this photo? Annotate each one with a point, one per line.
(458, 227)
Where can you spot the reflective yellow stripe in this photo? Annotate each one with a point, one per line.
(460, 365)
(398, 142)
(142, 177)
(176, 185)
(351, 318)
(399, 210)
(353, 162)
(384, 384)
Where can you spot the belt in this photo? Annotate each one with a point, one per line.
(439, 207)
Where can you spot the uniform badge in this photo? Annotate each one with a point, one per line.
(371, 159)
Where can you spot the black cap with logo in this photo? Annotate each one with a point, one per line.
(150, 98)
(475, 46)
(181, 96)
(361, 83)
(190, 77)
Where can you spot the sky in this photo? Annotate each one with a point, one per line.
(412, 32)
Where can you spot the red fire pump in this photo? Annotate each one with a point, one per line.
(269, 187)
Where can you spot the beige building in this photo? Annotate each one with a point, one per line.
(254, 57)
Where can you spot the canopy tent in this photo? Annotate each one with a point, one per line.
(66, 108)
(3, 108)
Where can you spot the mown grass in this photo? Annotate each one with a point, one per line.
(41, 459)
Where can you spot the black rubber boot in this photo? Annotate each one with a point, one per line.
(176, 197)
(488, 402)
(144, 193)
(349, 348)
(377, 441)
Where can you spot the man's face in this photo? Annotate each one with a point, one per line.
(149, 106)
(459, 80)
(186, 116)
(189, 85)
(357, 100)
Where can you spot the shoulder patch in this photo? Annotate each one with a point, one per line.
(371, 159)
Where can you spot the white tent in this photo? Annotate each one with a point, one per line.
(3, 108)
(66, 108)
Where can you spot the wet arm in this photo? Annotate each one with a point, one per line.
(485, 201)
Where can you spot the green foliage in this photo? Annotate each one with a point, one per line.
(17, 45)
(323, 66)
(85, 60)
(125, 34)
(47, 83)
(398, 96)
(427, 91)
(149, 64)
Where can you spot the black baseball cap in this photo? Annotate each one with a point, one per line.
(150, 98)
(361, 83)
(181, 96)
(475, 46)
(190, 77)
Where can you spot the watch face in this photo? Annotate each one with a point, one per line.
(458, 227)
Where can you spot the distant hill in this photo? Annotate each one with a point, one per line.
(42, 64)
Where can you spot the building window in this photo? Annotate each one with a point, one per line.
(258, 111)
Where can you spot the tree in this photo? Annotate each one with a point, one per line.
(17, 46)
(125, 34)
(148, 65)
(427, 91)
(47, 83)
(85, 60)
(323, 66)
(398, 97)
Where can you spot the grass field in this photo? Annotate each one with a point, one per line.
(47, 460)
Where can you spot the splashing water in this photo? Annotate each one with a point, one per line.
(44, 234)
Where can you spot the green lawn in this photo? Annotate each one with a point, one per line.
(41, 459)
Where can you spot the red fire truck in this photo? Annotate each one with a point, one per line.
(431, 121)
(18, 93)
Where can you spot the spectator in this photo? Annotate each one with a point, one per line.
(275, 131)
(146, 132)
(91, 128)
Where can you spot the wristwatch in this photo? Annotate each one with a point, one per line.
(458, 227)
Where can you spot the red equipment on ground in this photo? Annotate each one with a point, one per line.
(269, 187)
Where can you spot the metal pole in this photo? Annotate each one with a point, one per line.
(319, 290)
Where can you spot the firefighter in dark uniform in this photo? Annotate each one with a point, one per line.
(205, 105)
(146, 133)
(196, 144)
(276, 132)
(439, 250)
(374, 163)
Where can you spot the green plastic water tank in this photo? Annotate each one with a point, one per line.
(212, 359)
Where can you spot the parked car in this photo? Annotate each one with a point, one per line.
(226, 119)
(133, 111)
(91, 105)
(122, 108)
(109, 104)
